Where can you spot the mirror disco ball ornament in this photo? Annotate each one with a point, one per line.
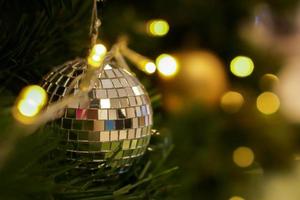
(117, 115)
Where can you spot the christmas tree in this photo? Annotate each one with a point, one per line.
(149, 99)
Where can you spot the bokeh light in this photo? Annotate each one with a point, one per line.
(267, 103)
(232, 101)
(243, 156)
(167, 65)
(99, 49)
(35, 93)
(236, 198)
(150, 67)
(241, 66)
(28, 108)
(268, 81)
(97, 55)
(158, 27)
(30, 102)
(96, 58)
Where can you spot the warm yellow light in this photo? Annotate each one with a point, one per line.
(28, 108)
(30, 102)
(97, 55)
(99, 49)
(236, 198)
(150, 67)
(243, 156)
(267, 103)
(96, 58)
(36, 94)
(241, 66)
(158, 27)
(167, 65)
(231, 102)
(93, 63)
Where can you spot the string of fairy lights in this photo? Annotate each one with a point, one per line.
(33, 98)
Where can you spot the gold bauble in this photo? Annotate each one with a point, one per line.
(201, 78)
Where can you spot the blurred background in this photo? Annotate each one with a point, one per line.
(226, 85)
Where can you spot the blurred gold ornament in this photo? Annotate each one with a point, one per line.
(117, 114)
(201, 79)
(173, 102)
